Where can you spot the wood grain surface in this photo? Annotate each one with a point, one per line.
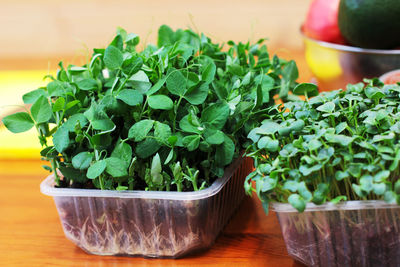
(31, 234)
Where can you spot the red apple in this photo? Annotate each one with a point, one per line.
(322, 21)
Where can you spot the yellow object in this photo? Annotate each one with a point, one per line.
(22, 145)
(323, 62)
(13, 85)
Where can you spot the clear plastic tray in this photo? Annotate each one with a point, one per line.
(354, 233)
(149, 223)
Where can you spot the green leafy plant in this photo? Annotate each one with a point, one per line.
(169, 117)
(339, 145)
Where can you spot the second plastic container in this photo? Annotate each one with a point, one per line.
(355, 233)
(149, 223)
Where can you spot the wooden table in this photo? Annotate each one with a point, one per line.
(31, 234)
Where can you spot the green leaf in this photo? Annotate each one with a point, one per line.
(113, 58)
(343, 140)
(272, 146)
(289, 75)
(130, 97)
(297, 125)
(374, 93)
(147, 148)
(157, 86)
(191, 142)
(169, 157)
(340, 175)
(132, 65)
(59, 104)
(102, 122)
(224, 152)
(156, 170)
(176, 83)
(395, 162)
(41, 110)
(61, 139)
(101, 141)
(355, 169)
(56, 88)
(87, 84)
(140, 81)
(116, 167)
(379, 189)
(71, 104)
(314, 144)
(82, 160)
(214, 137)
(268, 143)
(262, 143)
(162, 131)
(366, 182)
(73, 174)
(320, 194)
(73, 120)
(307, 170)
(198, 94)
(327, 107)
(139, 130)
(172, 140)
(396, 187)
(268, 127)
(96, 169)
(118, 41)
(18, 122)
(290, 185)
(340, 127)
(220, 90)
(165, 36)
(390, 197)
(216, 115)
(32, 96)
(208, 72)
(160, 102)
(297, 202)
(186, 125)
(123, 151)
(381, 176)
(267, 84)
(259, 98)
(337, 199)
(308, 89)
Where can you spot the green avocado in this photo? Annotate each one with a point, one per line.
(370, 23)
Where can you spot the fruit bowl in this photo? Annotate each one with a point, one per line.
(335, 65)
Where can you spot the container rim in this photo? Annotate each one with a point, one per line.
(348, 48)
(47, 188)
(346, 205)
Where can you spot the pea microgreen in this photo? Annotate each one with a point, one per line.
(339, 145)
(169, 117)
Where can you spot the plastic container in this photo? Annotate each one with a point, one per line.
(354, 233)
(149, 223)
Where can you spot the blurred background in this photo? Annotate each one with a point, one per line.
(36, 35)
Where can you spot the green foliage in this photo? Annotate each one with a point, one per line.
(340, 145)
(169, 117)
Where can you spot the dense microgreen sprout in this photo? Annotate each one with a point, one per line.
(169, 117)
(339, 145)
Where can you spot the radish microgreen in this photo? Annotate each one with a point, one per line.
(339, 145)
